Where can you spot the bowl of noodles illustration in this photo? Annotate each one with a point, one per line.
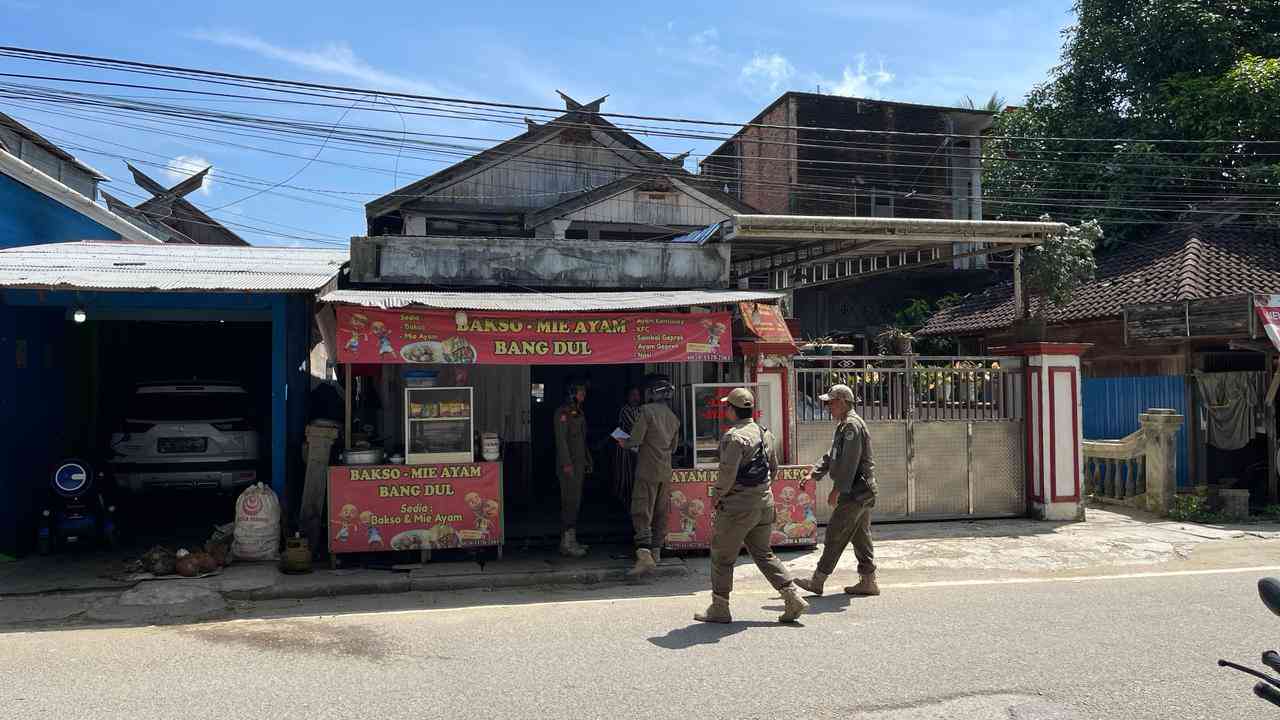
(411, 540)
(426, 351)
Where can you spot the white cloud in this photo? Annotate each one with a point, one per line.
(705, 41)
(184, 166)
(335, 59)
(700, 49)
(860, 80)
(766, 75)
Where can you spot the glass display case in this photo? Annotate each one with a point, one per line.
(438, 425)
(708, 422)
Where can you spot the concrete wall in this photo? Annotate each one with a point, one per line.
(29, 218)
(474, 262)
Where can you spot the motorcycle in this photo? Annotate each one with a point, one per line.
(75, 511)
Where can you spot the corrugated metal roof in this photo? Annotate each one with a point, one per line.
(698, 237)
(545, 301)
(127, 266)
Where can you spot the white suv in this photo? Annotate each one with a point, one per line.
(189, 436)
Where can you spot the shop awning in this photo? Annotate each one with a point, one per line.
(546, 301)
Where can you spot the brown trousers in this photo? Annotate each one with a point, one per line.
(733, 529)
(571, 495)
(850, 523)
(650, 505)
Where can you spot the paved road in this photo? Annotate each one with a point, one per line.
(1104, 647)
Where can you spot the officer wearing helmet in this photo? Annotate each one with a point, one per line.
(655, 435)
(573, 464)
(745, 512)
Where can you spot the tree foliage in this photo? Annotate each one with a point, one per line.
(1134, 72)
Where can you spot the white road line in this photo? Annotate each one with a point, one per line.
(1261, 569)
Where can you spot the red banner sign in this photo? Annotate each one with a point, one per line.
(766, 323)
(1268, 307)
(498, 338)
(376, 508)
(693, 509)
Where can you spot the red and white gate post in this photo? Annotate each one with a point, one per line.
(1055, 443)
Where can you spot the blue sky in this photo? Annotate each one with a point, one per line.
(719, 61)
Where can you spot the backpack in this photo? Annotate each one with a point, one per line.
(756, 471)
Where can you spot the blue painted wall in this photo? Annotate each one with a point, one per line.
(31, 402)
(30, 218)
(32, 406)
(1112, 405)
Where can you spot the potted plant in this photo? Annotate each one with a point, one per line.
(895, 338)
(1051, 273)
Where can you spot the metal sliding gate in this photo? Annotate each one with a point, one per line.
(947, 433)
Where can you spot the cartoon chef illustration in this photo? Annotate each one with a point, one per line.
(490, 514)
(359, 331)
(678, 501)
(715, 330)
(787, 507)
(375, 536)
(689, 517)
(380, 331)
(476, 504)
(347, 521)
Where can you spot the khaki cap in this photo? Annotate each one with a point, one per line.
(740, 398)
(837, 391)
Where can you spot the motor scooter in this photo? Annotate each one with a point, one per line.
(75, 512)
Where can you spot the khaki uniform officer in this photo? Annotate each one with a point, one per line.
(854, 494)
(656, 434)
(744, 511)
(573, 464)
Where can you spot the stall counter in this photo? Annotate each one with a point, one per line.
(693, 509)
(374, 508)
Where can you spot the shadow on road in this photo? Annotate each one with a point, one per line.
(700, 633)
(824, 604)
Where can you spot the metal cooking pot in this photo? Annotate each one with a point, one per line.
(372, 456)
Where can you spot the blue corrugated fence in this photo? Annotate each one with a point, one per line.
(1112, 405)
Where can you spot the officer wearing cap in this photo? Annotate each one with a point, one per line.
(853, 495)
(573, 464)
(744, 511)
(655, 434)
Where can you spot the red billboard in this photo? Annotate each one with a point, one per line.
(374, 508)
(1268, 309)
(508, 338)
(693, 509)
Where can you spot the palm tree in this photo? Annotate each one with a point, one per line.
(995, 103)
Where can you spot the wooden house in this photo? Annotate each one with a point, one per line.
(1162, 314)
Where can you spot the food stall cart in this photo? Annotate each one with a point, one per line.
(439, 498)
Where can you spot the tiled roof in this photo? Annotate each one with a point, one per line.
(1189, 264)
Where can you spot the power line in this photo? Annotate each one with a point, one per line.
(288, 85)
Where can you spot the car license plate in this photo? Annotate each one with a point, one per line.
(183, 445)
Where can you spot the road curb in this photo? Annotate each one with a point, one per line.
(299, 588)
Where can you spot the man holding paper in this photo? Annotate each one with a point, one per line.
(656, 434)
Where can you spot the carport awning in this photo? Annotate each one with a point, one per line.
(534, 301)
